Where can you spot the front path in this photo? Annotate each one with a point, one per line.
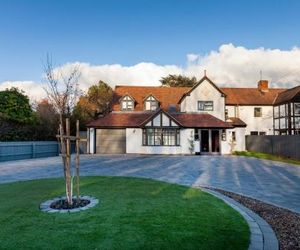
(269, 181)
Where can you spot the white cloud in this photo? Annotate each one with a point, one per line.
(230, 65)
(34, 90)
(192, 58)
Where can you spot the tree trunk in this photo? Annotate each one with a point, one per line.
(62, 143)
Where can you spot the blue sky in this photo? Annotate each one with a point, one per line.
(130, 32)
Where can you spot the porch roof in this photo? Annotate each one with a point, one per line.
(196, 120)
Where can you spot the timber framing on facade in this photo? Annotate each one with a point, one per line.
(203, 119)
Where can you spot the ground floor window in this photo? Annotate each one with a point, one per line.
(161, 137)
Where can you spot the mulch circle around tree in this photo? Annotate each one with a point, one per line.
(63, 204)
(285, 223)
(60, 205)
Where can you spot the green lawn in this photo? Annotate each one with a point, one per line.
(133, 214)
(266, 156)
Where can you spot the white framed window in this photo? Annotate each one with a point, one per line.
(161, 137)
(233, 137)
(297, 108)
(127, 103)
(151, 104)
(205, 105)
(257, 112)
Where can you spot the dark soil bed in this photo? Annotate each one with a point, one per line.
(63, 204)
(286, 224)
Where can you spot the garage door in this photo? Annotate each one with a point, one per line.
(111, 141)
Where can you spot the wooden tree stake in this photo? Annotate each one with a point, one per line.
(77, 159)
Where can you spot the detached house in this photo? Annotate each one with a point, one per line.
(204, 119)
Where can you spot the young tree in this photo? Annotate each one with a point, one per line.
(62, 91)
(178, 81)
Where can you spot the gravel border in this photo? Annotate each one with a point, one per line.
(262, 235)
(45, 206)
(284, 222)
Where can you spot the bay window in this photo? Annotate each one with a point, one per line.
(161, 137)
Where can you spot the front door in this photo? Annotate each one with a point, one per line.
(215, 141)
(204, 141)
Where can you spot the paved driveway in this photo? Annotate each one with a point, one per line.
(273, 182)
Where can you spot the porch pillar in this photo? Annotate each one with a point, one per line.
(209, 141)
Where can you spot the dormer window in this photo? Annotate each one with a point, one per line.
(127, 103)
(151, 104)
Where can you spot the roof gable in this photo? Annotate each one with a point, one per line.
(161, 115)
(196, 85)
(287, 95)
(121, 99)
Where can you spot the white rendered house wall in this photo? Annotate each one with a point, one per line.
(205, 91)
(134, 143)
(91, 140)
(228, 146)
(246, 114)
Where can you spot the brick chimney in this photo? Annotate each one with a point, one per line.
(263, 85)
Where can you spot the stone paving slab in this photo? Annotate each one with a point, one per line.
(272, 182)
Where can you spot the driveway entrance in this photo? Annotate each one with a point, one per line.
(269, 181)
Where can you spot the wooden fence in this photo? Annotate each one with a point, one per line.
(280, 145)
(35, 149)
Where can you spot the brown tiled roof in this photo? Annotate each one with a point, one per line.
(250, 96)
(196, 120)
(172, 95)
(138, 119)
(120, 120)
(287, 95)
(236, 122)
(165, 95)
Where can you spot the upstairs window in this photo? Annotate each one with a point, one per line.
(151, 104)
(127, 103)
(205, 105)
(257, 112)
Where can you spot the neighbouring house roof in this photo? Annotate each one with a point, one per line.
(250, 96)
(236, 122)
(288, 95)
(139, 119)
